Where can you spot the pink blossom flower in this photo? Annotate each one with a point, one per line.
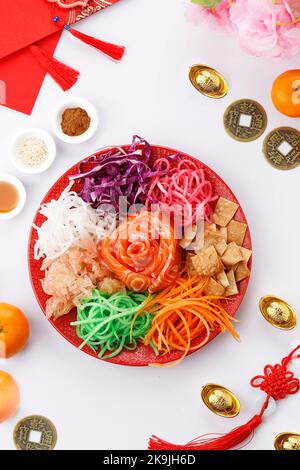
(265, 28)
(216, 18)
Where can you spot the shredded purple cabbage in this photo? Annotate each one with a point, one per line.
(117, 174)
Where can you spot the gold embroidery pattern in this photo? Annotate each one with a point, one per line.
(70, 3)
(91, 8)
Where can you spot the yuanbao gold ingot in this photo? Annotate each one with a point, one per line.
(208, 81)
(220, 400)
(278, 312)
(287, 441)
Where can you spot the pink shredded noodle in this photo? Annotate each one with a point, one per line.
(184, 192)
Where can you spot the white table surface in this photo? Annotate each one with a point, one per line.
(95, 405)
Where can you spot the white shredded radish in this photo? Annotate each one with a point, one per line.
(69, 220)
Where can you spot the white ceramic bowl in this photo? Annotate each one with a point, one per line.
(75, 103)
(49, 141)
(22, 196)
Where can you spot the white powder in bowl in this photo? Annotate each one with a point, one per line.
(33, 152)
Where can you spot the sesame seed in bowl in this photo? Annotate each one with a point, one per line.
(34, 151)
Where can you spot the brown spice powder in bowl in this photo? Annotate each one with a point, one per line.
(75, 121)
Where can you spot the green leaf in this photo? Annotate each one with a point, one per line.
(207, 3)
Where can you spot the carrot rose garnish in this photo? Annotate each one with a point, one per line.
(143, 252)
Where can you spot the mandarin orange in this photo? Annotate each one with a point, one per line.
(286, 93)
(14, 330)
(9, 396)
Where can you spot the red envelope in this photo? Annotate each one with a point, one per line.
(27, 23)
(23, 76)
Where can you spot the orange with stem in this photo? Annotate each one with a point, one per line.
(286, 93)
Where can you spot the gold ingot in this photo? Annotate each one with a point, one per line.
(220, 400)
(208, 81)
(278, 312)
(287, 441)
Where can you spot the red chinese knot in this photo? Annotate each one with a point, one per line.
(278, 382)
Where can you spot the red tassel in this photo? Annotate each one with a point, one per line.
(225, 442)
(64, 75)
(277, 382)
(112, 50)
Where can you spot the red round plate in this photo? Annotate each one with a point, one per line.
(143, 355)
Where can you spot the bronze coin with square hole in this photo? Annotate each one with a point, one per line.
(245, 120)
(282, 148)
(35, 433)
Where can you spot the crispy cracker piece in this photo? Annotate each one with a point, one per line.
(232, 288)
(208, 226)
(224, 212)
(190, 265)
(222, 231)
(222, 279)
(193, 237)
(221, 247)
(242, 271)
(213, 288)
(234, 268)
(236, 232)
(212, 238)
(232, 255)
(246, 253)
(189, 235)
(198, 242)
(207, 262)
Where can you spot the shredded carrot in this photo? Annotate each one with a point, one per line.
(185, 317)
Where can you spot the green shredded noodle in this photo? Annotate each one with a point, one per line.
(104, 322)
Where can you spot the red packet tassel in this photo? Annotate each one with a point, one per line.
(64, 75)
(112, 50)
(277, 382)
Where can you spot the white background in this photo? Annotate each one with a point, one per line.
(95, 405)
